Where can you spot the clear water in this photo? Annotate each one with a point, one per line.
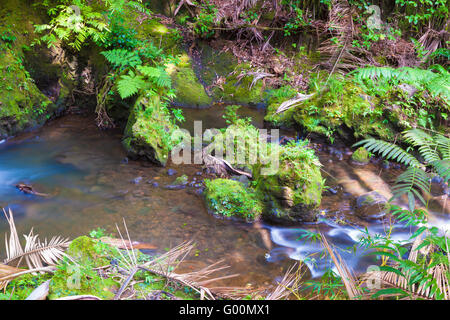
(90, 186)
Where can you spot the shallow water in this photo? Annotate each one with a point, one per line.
(90, 186)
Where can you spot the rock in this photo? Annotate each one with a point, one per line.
(293, 193)
(386, 165)
(244, 180)
(124, 160)
(407, 89)
(136, 180)
(336, 153)
(41, 292)
(229, 198)
(371, 205)
(332, 191)
(361, 156)
(171, 172)
(149, 138)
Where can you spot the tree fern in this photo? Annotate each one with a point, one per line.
(424, 142)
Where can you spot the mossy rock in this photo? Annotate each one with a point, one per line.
(22, 105)
(239, 90)
(294, 192)
(230, 198)
(275, 98)
(79, 277)
(149, 132)
(189, 91)
(361, 156)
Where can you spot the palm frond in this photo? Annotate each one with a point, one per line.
(347, 278)
(35, 253)
(407, 278)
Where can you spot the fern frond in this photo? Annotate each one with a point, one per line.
(129, 85)
(388, 151)
(410, 182)
(443, 144)
(122, 58)
(442, 168)
(424, 142)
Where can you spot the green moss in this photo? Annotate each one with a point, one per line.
(275, 98)
(149, 131)
(85, 250)
(78, 277)
(361, 155)
(230, 198)
(237, 89)
(22, 105)
(151, 285)
(295, 190)
(20, 288)
(189, 91)
(71, 280)
(181, 180)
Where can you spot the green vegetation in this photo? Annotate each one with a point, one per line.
(371, 72)
(229, 198)
(361, 155)
(295, 190)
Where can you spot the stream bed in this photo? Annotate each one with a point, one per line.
(92, 184)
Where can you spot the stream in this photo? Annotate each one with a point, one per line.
(92, 184)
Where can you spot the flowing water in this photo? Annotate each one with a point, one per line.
(91, 184)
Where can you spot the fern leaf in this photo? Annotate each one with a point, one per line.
(389, 150)
(128, 85)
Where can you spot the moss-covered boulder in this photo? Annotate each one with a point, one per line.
(189, 91)
(274, 98)
(294, 191)
(22, 104)
(230, 198)
(149, 131)
(80, 278)
(239, 87)
(361, 156)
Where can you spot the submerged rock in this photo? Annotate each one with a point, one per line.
(371, 205)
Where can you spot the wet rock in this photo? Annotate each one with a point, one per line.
(199, 191)
(386, 165)
(336, 153)
(171, 172)
(332, 191)
(438, 187)
(371, 205)
(244, 180)
(136, 180)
